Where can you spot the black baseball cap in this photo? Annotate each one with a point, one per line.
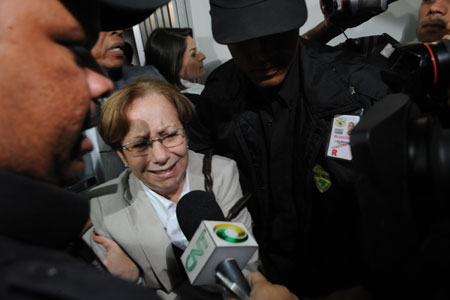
(240, 20)
(107, 15)
(121, 14)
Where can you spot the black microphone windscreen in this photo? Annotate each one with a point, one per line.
(195, 207)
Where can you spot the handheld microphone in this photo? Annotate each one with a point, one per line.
(193, 208)
(217, 249)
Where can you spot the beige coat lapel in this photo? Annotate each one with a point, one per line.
(194, 169)
(152, 237)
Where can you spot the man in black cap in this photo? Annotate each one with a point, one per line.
(271, 108)
(50, 85)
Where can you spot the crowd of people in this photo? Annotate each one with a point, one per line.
(262, 123)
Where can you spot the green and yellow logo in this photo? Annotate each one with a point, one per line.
(231, 233)
(340, 122)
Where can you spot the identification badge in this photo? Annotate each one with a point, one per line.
(339, 144)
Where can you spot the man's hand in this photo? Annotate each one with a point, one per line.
(332, 26)
(263, 289)
(116, 260)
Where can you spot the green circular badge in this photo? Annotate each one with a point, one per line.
(231, 233)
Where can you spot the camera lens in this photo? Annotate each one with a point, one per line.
(368, 5)
(425, 66)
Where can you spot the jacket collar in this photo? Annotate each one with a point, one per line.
(286, 93)
(39, 213)
(131, 187)
(194, 168)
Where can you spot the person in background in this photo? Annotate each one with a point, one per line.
(434, 20)
(144, 123)
(174, 53)
(49, 94)
(109, 52)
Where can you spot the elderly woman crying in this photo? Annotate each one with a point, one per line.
(133, 216)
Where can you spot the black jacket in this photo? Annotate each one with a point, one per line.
(39, 225)
(308, 239)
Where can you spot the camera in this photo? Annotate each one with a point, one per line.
(425, 66)
(349, 8)
(401, 153)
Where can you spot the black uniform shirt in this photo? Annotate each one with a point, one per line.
(277, 121)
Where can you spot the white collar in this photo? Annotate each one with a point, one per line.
(166, 211)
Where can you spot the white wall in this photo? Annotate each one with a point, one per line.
(399, 21)
(200, 21)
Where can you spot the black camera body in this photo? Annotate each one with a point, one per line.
(425, 66)
(401, 153)
(349, 8)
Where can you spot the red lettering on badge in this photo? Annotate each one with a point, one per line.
(334, 152)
